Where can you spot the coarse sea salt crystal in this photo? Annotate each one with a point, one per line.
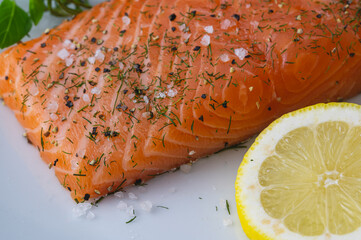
(63, 53)
(81, 209)
(241, 53)
(69, 61)
(86, 98)
(225, 24)
(146, 206)
(99, 55)
(254, 24)
(33, 90)
(224, 57)
(53, 117)
(132, 196)
(52, 106)
(172, 92)
(186, 168)
(131, 96)
(206, 40)
(161, 95)
(187, 35)
(191, 153)
(67, 43)
(182, 27)
(122, 205)
(91, 60)
(90, 215)
(121, 66)
(146, 99)
(209, 29)
(95, 91)
(126, 20)
(227, 222)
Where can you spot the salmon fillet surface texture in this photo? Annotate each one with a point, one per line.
(131, 89)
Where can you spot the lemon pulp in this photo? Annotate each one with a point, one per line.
(312, 181)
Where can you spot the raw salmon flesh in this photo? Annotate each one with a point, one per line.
(132, 89)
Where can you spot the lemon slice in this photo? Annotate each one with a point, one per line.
(301, 179)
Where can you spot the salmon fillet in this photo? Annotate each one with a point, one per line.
(132, 89)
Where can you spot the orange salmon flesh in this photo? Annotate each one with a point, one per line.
(132, 89)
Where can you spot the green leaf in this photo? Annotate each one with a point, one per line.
(36, 10)
(15, 23)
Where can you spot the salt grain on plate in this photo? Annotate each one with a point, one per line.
(86, 98)
(130, 211)
(95, 91)
(132, 196)
(81, 209)
(206, 40)
(224, 57)
(33, 90)
(161, 95)
(208, 29)
(90, 215)
(186, 168)
(227, 222)
(122, 205)
(182, 27)
(225, 24)
(223, 203)
(126, 20)
(119, 195)
(146, 206)
(241, 53)
(63, 53)
(146, 99)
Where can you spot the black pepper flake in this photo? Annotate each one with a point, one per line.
(224, 104)
(173, 29)
(213, 15)
(86, 196)
(84, 90)
(201, 118)
(204, 96)
(196, 48)
(296, 39)
(69, 104)
(6, 78)
(106, 70)
(125, 91)
(115, 49)
(43, 45)
(138, 91)
(236, 16)
(119, 106)
(76, 98)
(82, 63)
(66, 98)
(47, 134)
(137, 68)
(97, 69)
(269, 108)
(112, 63)
(319, 15)
(226, 144)
(24, 58)
(55, 162)
(114, 134)
(270, 11)
(94, 131)
(61, 75)
(352, 54)
(171, 73)
(233, 61)
(172, 17)
(69, 189)
(247, 56)
(151, 115)
(138, 182)
(122, 33)
(174, 49)
(93, 40)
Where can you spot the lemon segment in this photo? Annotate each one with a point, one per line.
(301, 179)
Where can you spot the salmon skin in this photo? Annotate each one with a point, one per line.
(132, 89)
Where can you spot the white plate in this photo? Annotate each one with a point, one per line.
(33, 205)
